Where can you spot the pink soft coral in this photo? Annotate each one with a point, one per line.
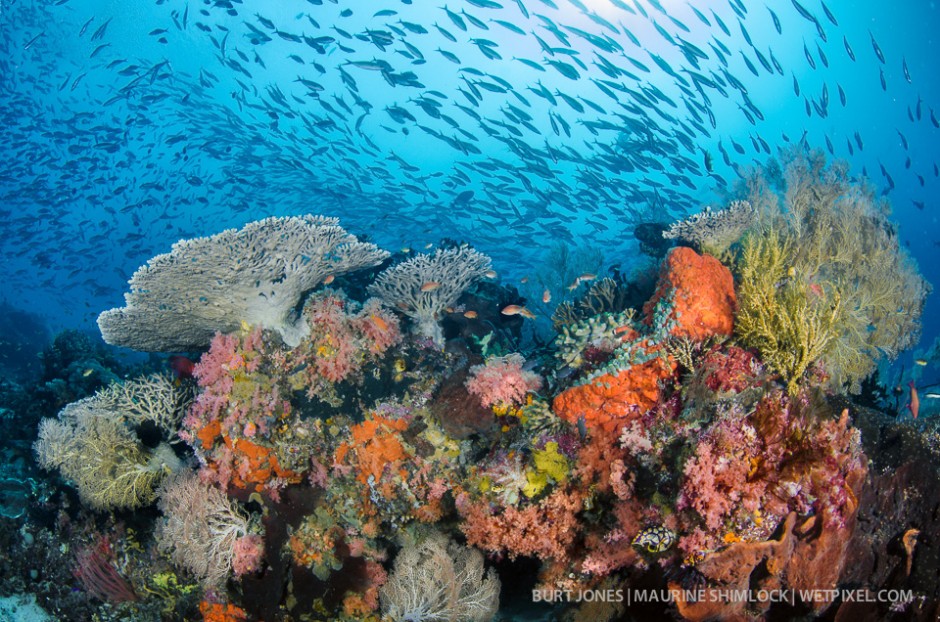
(247, 555)
(711, 484)
(723, 475)
(501, 380)
(378, 325)
(342, 339)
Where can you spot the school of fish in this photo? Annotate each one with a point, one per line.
(515, 125)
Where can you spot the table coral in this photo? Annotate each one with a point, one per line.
(257, 274)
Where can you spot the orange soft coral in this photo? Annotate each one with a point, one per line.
(700, 291)
(256, 465)
(611, 401)
(240, 462)
(217, 612)
(375, 444)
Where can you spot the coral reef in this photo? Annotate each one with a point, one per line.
(588, 341)
(333, 462)
(244, 424)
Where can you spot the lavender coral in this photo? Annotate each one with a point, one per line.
(257, 274)
(425, 285)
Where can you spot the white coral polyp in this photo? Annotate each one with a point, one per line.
(258, 274)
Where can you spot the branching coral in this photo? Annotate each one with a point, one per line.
(257, 274)
(156, 399)
(825, 267)
(423, 286)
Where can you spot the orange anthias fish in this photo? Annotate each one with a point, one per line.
(430, 286)
(470, 314)
(546, 296)
(329, 279)
(914, 406)
(381, 323)
(517, 310)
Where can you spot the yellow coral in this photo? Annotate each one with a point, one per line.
(550, 462)
(791, 322)
(535, 483)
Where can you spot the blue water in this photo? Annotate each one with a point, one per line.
(128, 126)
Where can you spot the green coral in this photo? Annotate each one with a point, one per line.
(823, 278)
